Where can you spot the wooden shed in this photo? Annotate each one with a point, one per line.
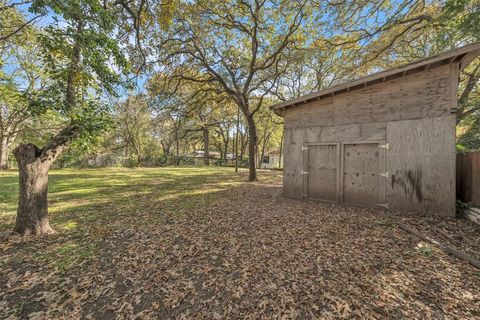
(386, 140)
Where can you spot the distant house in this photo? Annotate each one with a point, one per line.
(198, 157)
(271, 160)
(201, 154)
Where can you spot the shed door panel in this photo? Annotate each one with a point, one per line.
(361, 180)
(322, 172)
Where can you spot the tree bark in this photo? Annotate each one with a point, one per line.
(281, 149)
(166, 150)
(236, 139)
(252, 143)
(225, 150)
(206, 146)
(32, 212)
(3, 153)
(33, 166)
(177, 151)
(34, 163)
(262, 152)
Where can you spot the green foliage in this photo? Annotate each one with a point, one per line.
(425, 250)
(79, 51)
(469, 139)
(205, 51)
(460, 22)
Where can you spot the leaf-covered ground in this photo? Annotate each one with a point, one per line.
(197, 243)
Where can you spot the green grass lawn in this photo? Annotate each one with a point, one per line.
(77, 196)
(84, 204)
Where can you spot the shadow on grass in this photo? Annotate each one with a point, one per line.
(87, 205)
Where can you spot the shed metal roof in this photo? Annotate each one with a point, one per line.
(464, 55)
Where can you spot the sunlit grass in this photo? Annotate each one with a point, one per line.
(77, 196)
(86, 205)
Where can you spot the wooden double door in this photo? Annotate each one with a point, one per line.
(347, 173)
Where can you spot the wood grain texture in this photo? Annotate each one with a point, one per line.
(318, 113)
(412, 113)
(354, 132)
(421, 162)
(468, 177)
(425, 94)
(467, 55)
(421, 95)
(313, 134)
(322, 172)
(361, 168)
(293, 163)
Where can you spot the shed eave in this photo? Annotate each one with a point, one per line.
(464, 55)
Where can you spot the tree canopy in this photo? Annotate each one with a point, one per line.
(158, 83)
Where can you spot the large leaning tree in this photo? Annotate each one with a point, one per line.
(237, 46)
(81, 60)
(83, 51)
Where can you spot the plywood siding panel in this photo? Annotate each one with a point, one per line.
(322, 172)
(421, 95)
(421, 162)
(313, 134)
(416, 96)
(373, 131)
(293, 163)
(341, 133)
(317, 113)
(468, 177)
(361, 180)
(293, 119)
(355, 132)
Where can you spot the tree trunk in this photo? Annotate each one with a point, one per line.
(32, 212)
(252, 143)
(264, 145)
(206, 146)
(177, 151)
(262, 152)
(4, 153)
(281, 148)
(33, 166)
(236, 139)
(225, 152)
(166, 150)
(256, 156)
(243, 144)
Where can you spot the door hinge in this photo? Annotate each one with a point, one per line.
(384, 205)
(385, 174)
(384, 146)
(304, 148)
(304, 173)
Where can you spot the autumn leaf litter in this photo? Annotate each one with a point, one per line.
(250, 254)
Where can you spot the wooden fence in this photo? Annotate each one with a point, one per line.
(468, 177)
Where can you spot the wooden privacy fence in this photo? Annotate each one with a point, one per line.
(468, 177)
